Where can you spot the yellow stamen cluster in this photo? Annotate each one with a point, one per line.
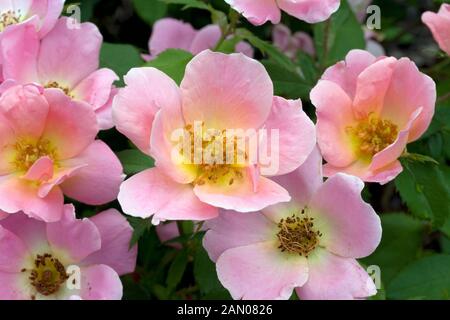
(373, 135)
(56, 85)
(297, 235)
(9, 18)
(27, 153)
(48, 274)
(225, 171)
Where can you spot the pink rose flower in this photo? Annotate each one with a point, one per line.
(69, 259)
(261, 11)
(67, 59)
(368, 110)
(169, 33)
(40, 13)
(290, 43)
(48, 148)
(439, 24)
(309, 244)
(221, 92)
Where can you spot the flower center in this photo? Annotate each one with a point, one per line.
(27, 153)
(219, 158)
(298, 235)
(48, 274)
(56, 85)
(8, 18)
(373, 135)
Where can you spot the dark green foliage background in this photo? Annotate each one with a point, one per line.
(414, 255)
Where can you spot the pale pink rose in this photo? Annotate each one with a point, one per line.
(42, 14)
(222, 92)
(292, 44)
(261, 11)
(71, 259)
(48, 149)
(309, 244)
(169, 33)
(439, 24)
(66, 58)
(368, 110)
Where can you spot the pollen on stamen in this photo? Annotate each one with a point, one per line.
(56, 85)
(297, 234)
(9, 18)
(223, 172)
(48, 274)
(28, 152)
(373, 135)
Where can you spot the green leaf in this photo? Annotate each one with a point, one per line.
(189, 4)
(172, 62)
(400, 244)
(415, 157)
(177, 268)
(134, 161)
(120, 58)
(140, 227)
(287, 83)
(427, 278)
(338, 35)
(205, 274)
(150, 10)
(423, 187)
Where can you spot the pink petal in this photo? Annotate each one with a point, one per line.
(41, 170)
(100, 282)
(371, 87)
(150, 193)
(409, 90)
(32, 232)
(346, 73)
(116, 235)
(240, 98)
(19, 50)
(76, 238)
(362, 170)
(234, 229)
(14, 286)
(334, 115)
(257, 12)
(99, 180)
(281, 36)
(104, 113)
(245, 48)
(396, 149)
(169, 121)
(25, 110)
(334, 278)
(68, 55)
(311, 11)
(170, 33)
(261, 272)
(242, 196)
(14, 252)
(134, 108)
(19, 195)
(297, 135)
(96, 88)
(439, 24)
(70, 126)
(301, 184)
(206, 38)
(48, 11)
(350, 226)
